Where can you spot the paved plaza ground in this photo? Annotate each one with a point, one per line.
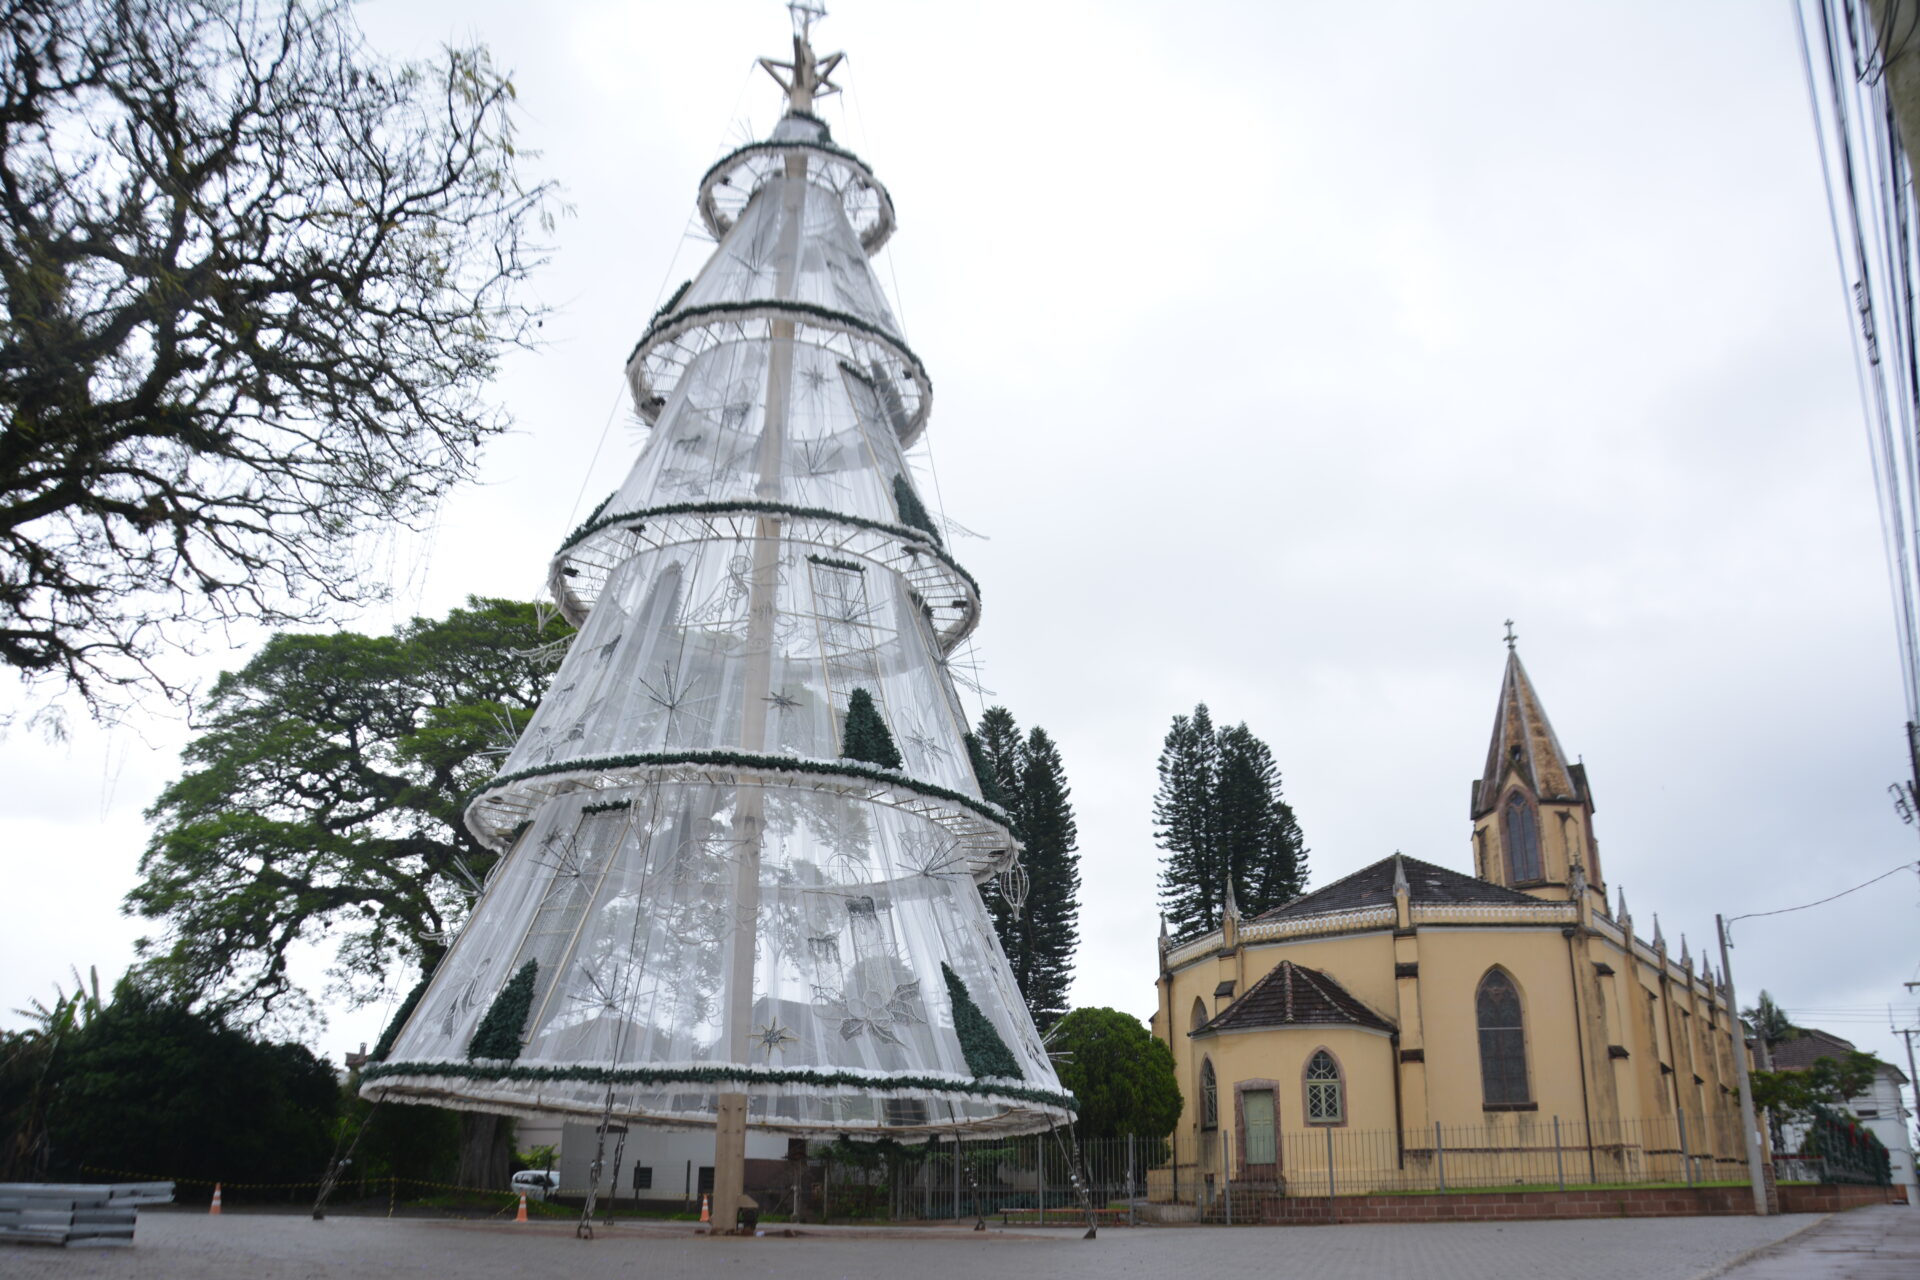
(183, 1245)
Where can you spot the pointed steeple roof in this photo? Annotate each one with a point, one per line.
(1523, 739)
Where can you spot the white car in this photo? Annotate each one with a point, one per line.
(536, 1184)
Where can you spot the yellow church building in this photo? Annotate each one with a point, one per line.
(1415, 1027)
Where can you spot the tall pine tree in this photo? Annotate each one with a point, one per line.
(1041, 939)
(1183, 823)
(999, 739)
(1049, 926)
(1259, 841)
(1219, 815)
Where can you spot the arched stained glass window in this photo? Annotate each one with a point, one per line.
(1198, 1018)
(1209, 1096)
(1503, 1041)
(1324, 1102)
(1523, 841)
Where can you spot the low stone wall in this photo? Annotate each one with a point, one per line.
(1830, 1197)
(1515, 1206)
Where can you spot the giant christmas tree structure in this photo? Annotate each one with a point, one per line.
(743, 831)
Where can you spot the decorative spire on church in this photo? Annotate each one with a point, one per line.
(1523, 740)
(1659, 939)
(1686, 957)
(1620, 913)
(1233, 903)
(1400, 886)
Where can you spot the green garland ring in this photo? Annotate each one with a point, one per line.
(672, 326)
(920, 537)
(745, 1076)
(743, 760)
(720, 173)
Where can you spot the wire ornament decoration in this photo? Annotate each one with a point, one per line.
(705, 881)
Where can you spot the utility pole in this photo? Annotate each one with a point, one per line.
(1748, 1127)
(1913, 1079)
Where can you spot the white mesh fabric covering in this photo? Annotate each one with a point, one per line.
(727, 187)
(625, 900)
(715, 899)
(791, 257)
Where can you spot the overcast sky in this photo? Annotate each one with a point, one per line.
(1281, 351)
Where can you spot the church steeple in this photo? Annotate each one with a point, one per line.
(1532, 811)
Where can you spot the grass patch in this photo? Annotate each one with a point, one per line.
(483, 1203)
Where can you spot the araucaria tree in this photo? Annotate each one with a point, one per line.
(323, 800)
(1041, 937)
(253, 283)
(1220, 819)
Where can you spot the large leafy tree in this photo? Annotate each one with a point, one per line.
(1040, 938)
(1220, 819)
(323, 799)
(254, 281)
(1120, 1074)
(1829, 1082)
(151, 1086)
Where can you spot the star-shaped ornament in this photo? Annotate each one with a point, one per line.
(773, 1037)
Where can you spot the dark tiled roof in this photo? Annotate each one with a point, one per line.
(1373, 887)
(1804, 1050)
(1293, 995)
(1800, 1052)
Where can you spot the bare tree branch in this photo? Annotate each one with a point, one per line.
(253, 283)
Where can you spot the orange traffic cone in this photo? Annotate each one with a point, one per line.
(215, 1206)
(705, 1216)
(522, 1215)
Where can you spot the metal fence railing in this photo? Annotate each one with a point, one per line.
(1035, 1178)
(1519, 1150)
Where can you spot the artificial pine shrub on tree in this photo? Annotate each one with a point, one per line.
(405, 1011)
(913, 512)
(865, 736)
(498, 1036)
(987, 1054)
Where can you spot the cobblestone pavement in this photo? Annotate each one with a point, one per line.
(1881, 1242)
(180, 1245)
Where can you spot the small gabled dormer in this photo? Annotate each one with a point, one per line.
(1532, 810)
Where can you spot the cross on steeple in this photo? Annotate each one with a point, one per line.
(1510, 636)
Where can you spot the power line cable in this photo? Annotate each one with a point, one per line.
(1755, 915)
